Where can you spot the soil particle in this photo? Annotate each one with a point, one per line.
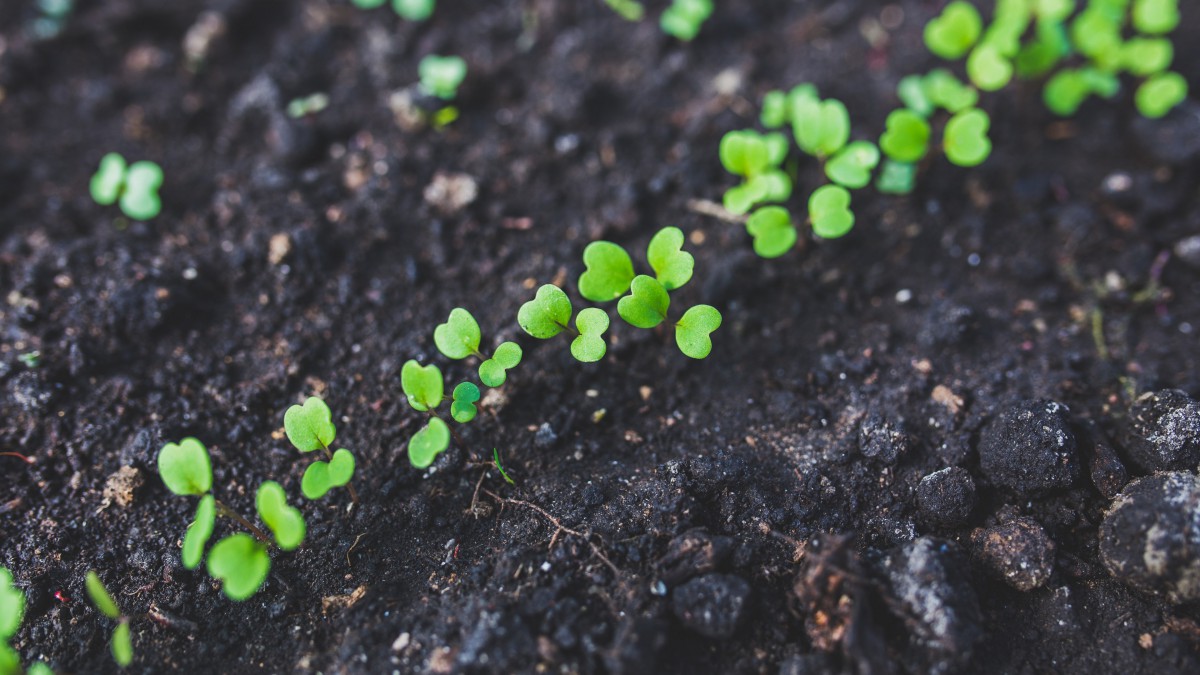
(1107, 471)
(808, 664)
(1164, 431)
(711, 605)
(1150, 538)
(882, 439)
(947, 497)
(1174, 138)
(693, 553)
(120, 486)
(1019, 552)
(635, 651)
(1030, 448)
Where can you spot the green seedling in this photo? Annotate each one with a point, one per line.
(939, 88)
(12, 611)
(1147, 56)
(307, 105)
(966, 142)
(134, 187)
(1068, 89)
(547, 314)
(425, 390)
(589, 346)
(1159, 94)
(907, 137)
(630, 10)
(286, 522)
(428, 443)
(647, 303)
(199, 532)
(241, 563)
(693, 331)
(684, 18)
(988, 68)
(829, 211)
(608, 272)
(459, 337)
(772, 230)
(1096, 33)
(462, 407)
(310, 427)
(673, 267)
(896, 178)
(952, 34)
(122, 643)
(31, 359)
(422, 385)
(411, 10)
(1155, 17)
(500, 467)
(1049, 46)
(821, 127)
(756, 158)
(442, 75)
(851, 167)
(777, 105)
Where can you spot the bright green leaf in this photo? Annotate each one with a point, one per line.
(955, 31)
(320, 477)
(286, 522)
(442, 75)
(896, 178)
(966, 140)
(428, 443)
(12, 606)
(108, 180)
(198, 532)
(947, 92)
(39, 668)
(241, 563)
(140, 199)
(683, 18)
(821, 127)
(693, 331)
(630, 10)
(775, 111)
(547, 314)
(851, 167)
(1053, 10)
(122, 645)
(744, 153)
(1159, 94)
(1096, 34)
(413, 10)
(772, 230)
(647, 302)
(912, 93)
(829, 211)
(422, 385)
(459, 337)
(906, 138)
(1049, 46)
(608, 274)
(988, 68)
(494, 371)
(1146, 56)
(672, 265)
(185, 468)
(100, 596)
(463, 409)
(775, 184)
(741, 198)
(589, 345)
(1155, 17)
(310, 426)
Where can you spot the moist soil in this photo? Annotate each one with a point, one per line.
(755, 512)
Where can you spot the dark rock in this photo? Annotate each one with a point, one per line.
(1019, 552)
(1107, 471)
(1030, 448)
(711, 605)
(948, 324)
(1150, 538)
(693, 553)
(818, 663)
(1174, 139)
(882, 439)
(1188, 250)
(947, 497)
(635, 650)
(939, 608)
(545, 436)
(1163, 432)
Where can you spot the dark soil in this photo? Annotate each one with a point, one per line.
(756, 512)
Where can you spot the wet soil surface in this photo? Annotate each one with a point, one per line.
(897, 459)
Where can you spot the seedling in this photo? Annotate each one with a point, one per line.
(952, 34)
(31, 359)
(684, 18)
(778, 105)
(630, 10)
(134, 186)
(12, 610)
(464, 397)
(1155, 17)
(907, 137)
(966, 142)
(122, 643)
(442, 75)
(500, 468)
(425, 391)
(310, 427)
(308, 105)
(851, 167)
(459, 337)
(1159, 94)
(829, 211)
(772, 230)
(756, 158)
(411, 10)
(821, 127)
(1068, 89)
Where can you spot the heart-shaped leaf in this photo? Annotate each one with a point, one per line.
(422, 385)
(428, 443)
(776, 186)
(100, 596)
(494, 371)
(647, 302)
(122, 644)
(185, 467)
(896, 178)
(320, 477)
(1096, 33)
(1049, 46)
(1155, 17)
(462, 409)
(140, 199)
(589, 346)
(851, 167)
(609, 271)
(966, 141)
(672, 265)
(459, 337)
(286, 522)
(1065, 92)
(741, 198)
(198, 533)
(821, 127)
(744, 153)
(12, 606)
(241, 563)
(1159, 94)
(310, 426)
(988, 68)
(906, 138)
(1009, 24)
(775, 111)
(955, 31)
(1146, 56)
(829, 211)
(547, 315)
(684, 18)
(694, 330)
(108, 180)
(413, 10)
(911, 91)
(773, 231)
(947, 92)
(441, 75)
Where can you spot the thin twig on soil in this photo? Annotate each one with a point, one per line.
(560, 528)
(707, 207)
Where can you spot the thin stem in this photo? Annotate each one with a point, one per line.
(23, 458)
(350, 485)
(567, 328)
(449, 428)
(224, 510)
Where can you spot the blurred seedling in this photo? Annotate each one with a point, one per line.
(440, 78)
(133, 186)
(424, 388)
(306, 106)
(630, 10)
(102, 600)
(12, 611)
(500, 467)
(684, 18)
(310, 427)
(459, 338)
(410, 10)
(757, 158)
(52, 18)
(240, 561)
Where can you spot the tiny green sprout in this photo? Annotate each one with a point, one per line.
(241, 563)
(896, 178)
(684, 18)
(500, 467)
(1009, 23)
(462, 408)
(630, 10)
(459, 337)
(966, 140)
(954, 32)
(310, 427)
(1096, 33)
(199, 532)
(851, 167)
(906, 138)
(1159, 94)
(367, 4)
(821, 127)
(320, 477)
(1049, 10)
(1049, 46)
(1147, 56)
(122, 644)
(912, 93)
(414, 10)
(422, 385)
(772, 230)
(693, 331)
(494, 371)
(647, 303)
(134, 186)
(286, 522)
(31, 359)
(428, 443)
(307, 105)
(185, 467)
(1155, 17)
(829, 211)
(672, 265)
(608, 273)
(988, 68)
(547, 314)
(442, 75)
(775, 111)
(947, 92)
(756, 157)
(589, 345)
(12, 606)
(1069, 88)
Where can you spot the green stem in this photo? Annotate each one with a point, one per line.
(224, 510)
(350, 485)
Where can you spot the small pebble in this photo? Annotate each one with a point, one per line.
(1150, 538)
(1163, 432)
(1029, 448)
(711, 605)
(1019, 552)
(947, 497)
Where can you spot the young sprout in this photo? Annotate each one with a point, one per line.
(693, 331)
(134, 186)
(308, 105)
(12, 610)
(500, 467)
(1155, 17)
(414, 10)
(441, 75)
(821, 127)
(1159, 94)
(286, 522)
(684, 18)
(589, 346)
(966, 142)
(829, 211)
(1049, 46)
(1069, 88)
(241, 563)
(777, 105)
(954, 32)
(896, 178)
(459, 337)
(647, 302)
(462, 407)
(425, 391)
(1147, 56)
(906, 138)
(756, 157)
(310, 427)
(608, 272)
(772, 230)
(630, 10)
(549, 314)
(988, 68)
(122, 644)
(851, 167)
